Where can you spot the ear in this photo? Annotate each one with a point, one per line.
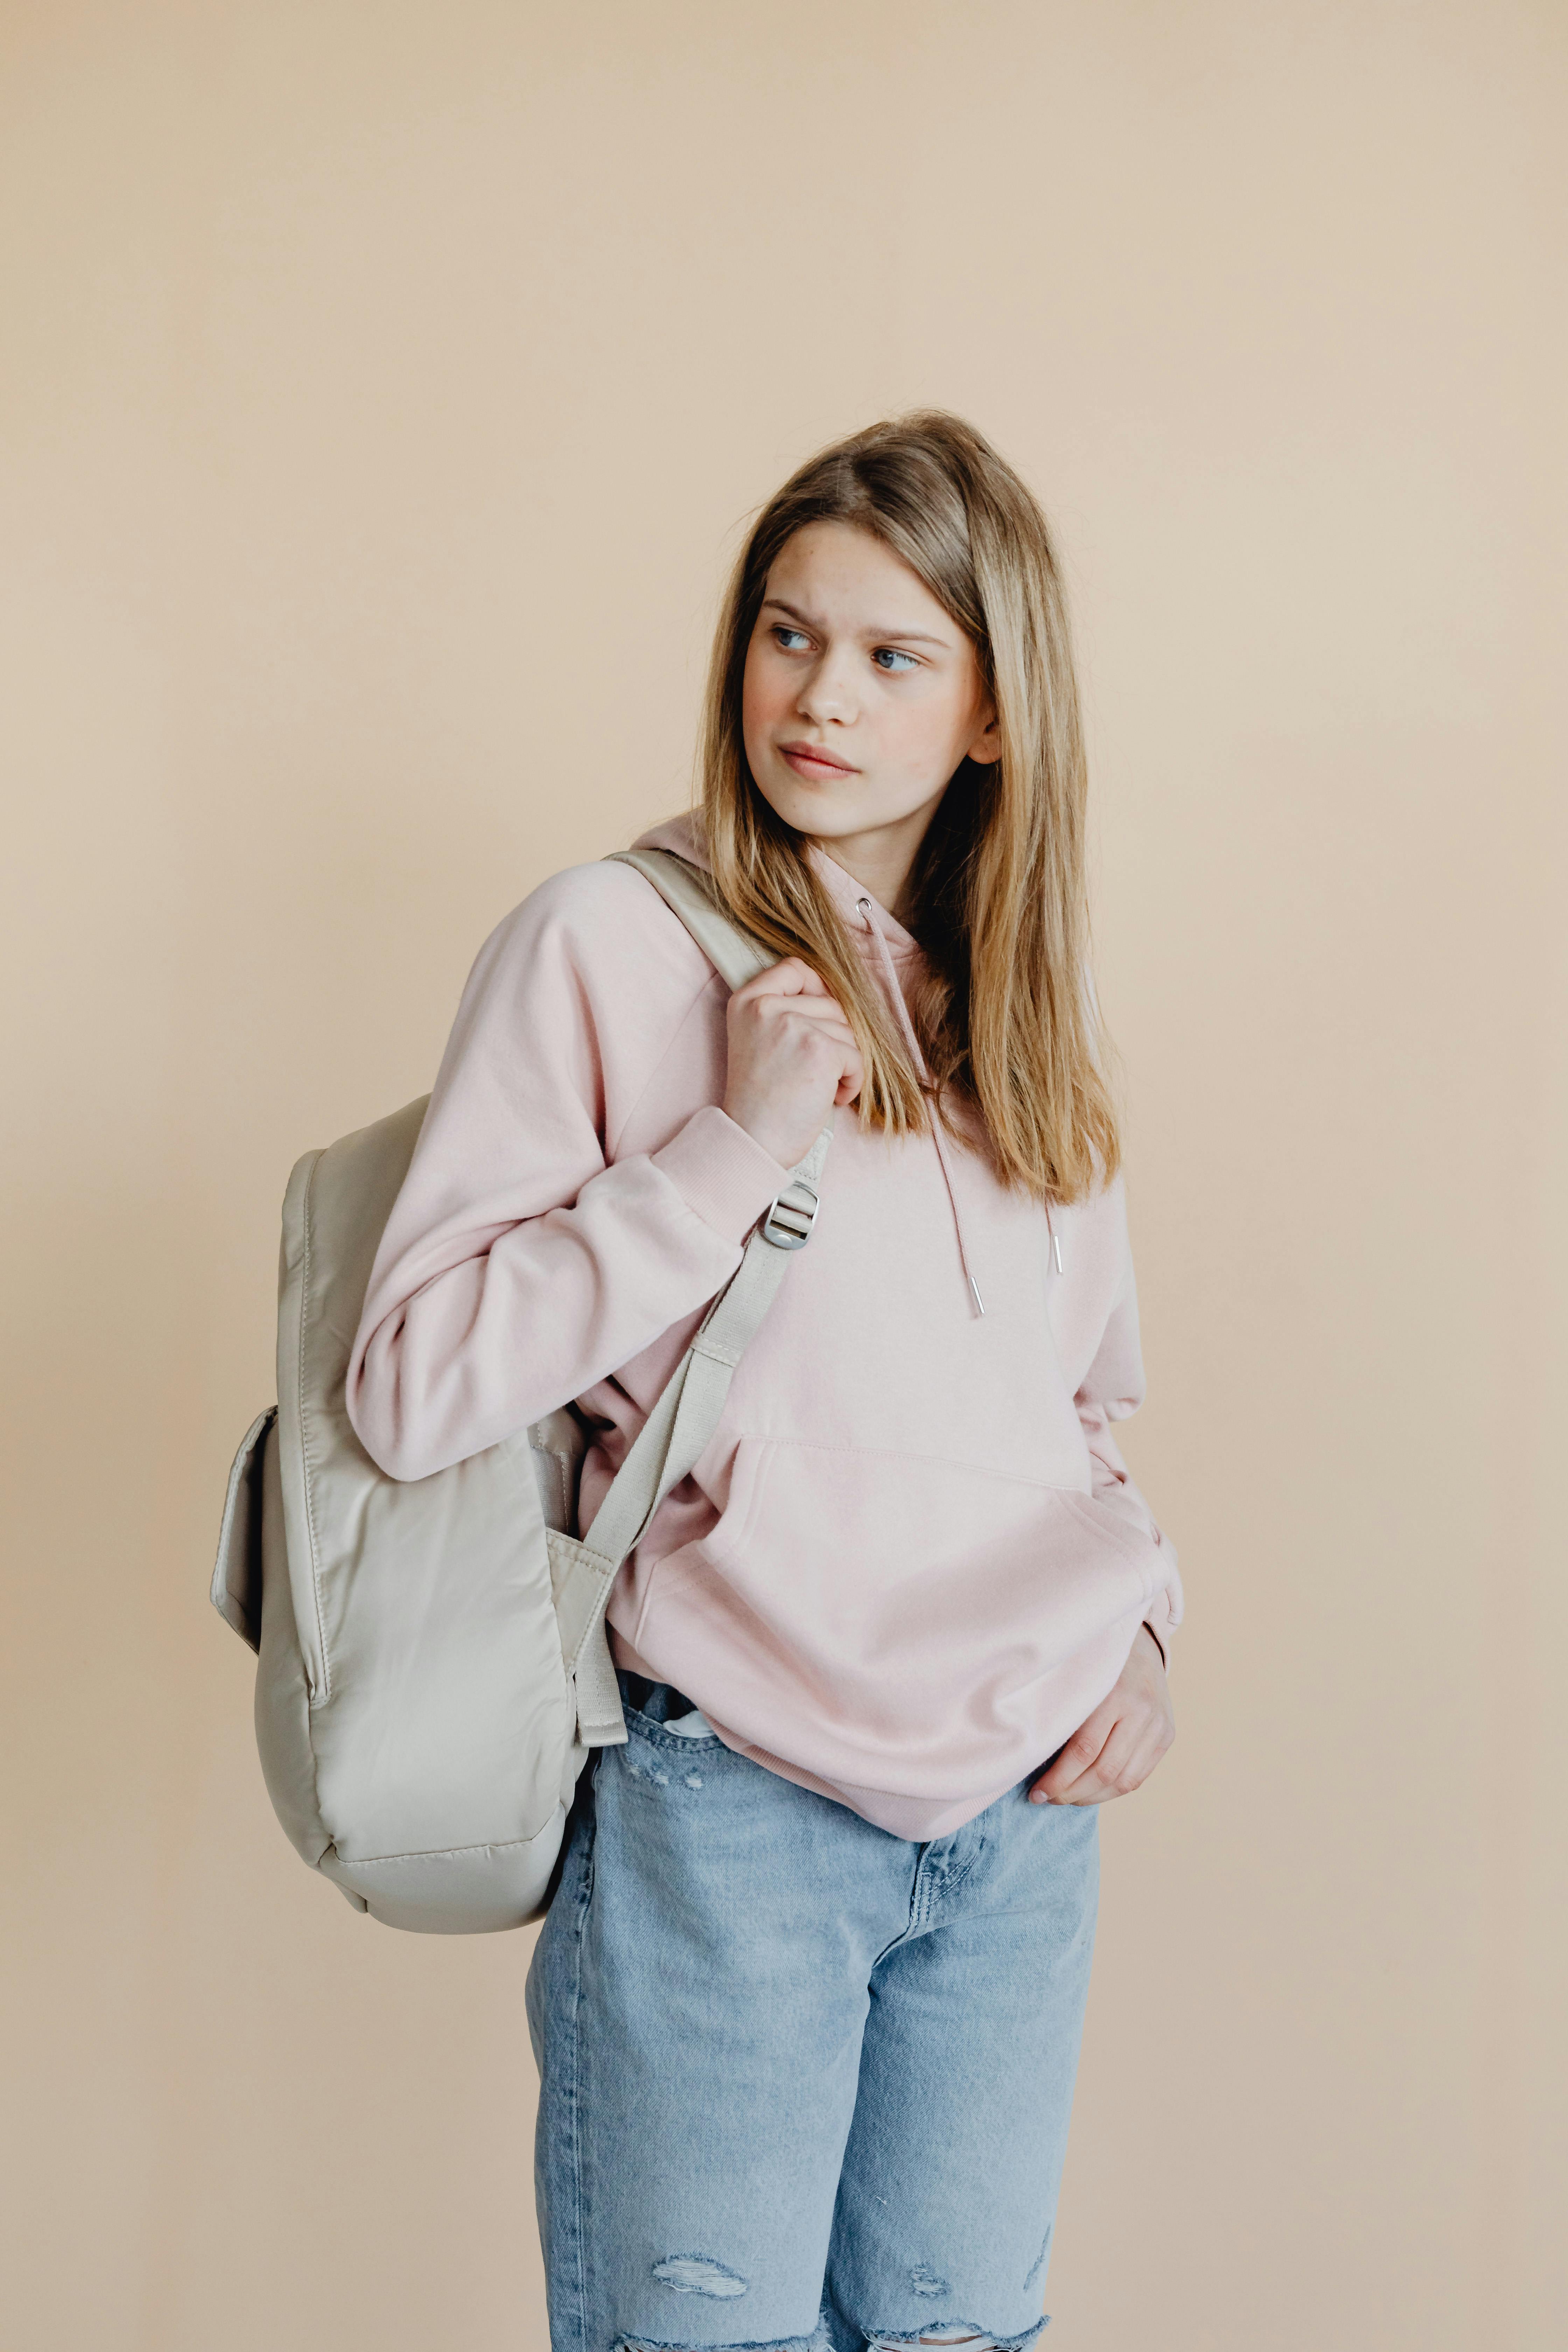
(986, 748)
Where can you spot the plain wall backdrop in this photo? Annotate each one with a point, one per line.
(384, 388)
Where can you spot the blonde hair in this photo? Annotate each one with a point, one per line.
(1007, 1018)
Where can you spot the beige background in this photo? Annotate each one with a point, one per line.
(383, 387)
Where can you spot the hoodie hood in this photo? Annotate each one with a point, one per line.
(683, 835)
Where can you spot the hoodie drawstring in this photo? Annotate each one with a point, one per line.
(863, 907)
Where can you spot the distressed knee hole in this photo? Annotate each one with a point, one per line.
(699, 2274)
(955, 2335)
(946, 2337)
(819, 2340)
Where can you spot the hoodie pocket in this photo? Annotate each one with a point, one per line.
(917, 1573)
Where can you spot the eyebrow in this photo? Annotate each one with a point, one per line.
(915, 636)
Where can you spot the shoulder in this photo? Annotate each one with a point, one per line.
(605, 928)
(582, 989)
(591, 976)
(1105, 1207)
(589, 901)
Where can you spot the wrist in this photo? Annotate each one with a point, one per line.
(766, 1131)
(722, 1173)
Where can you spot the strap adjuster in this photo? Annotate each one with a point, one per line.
(789, 1221)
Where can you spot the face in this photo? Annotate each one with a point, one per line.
(861, 697)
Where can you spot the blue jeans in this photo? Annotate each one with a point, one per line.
(803, 2084)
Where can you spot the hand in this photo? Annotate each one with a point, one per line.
(1115, 1751)
(793, 1059)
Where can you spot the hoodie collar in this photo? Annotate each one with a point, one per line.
(864, 914)
(683, 835)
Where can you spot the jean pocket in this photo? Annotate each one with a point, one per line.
(670, 1743)
(649, 1706)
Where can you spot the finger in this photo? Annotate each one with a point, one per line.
(790, 977)
(1113, 1733)
(1128, 1770)
(1106, 1776)
(1142, 1764)
(850, 1084)
(817, 1018)
(1129, 1756)
(851, 1072)
(1158, 1743)
(1077, 1756)
(822, 1012)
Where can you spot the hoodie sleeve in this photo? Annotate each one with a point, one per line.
(1111, 1390)
(524, 1260)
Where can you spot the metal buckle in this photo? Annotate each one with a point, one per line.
(789, 1222)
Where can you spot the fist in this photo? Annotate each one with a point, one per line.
(793, 1059)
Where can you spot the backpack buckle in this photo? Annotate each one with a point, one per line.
(789, 1222)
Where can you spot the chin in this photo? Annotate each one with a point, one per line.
(805, 808)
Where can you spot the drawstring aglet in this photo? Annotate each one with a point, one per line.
(979, 1302)
(1057, 1248)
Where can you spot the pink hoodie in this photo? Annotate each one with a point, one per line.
(911, 1560)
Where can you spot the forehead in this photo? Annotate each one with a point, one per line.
(853, 579)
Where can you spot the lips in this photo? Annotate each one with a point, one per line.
(811, 759)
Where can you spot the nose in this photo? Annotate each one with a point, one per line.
(827, 693)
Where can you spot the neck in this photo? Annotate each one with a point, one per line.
(882, 859)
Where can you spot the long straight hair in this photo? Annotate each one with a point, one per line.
(1006, 1016)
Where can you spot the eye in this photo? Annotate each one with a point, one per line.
(890, 659)
(795, 639)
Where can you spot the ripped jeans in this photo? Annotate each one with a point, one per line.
(803, 2085)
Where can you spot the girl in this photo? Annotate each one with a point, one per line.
(806, 2004)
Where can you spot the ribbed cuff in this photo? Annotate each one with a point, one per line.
(720, 1173)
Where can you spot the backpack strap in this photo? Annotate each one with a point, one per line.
(687, 1412)
(686, 889)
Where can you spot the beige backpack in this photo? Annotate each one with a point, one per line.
(433, 1670)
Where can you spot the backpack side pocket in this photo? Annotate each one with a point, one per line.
(237, 1572)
